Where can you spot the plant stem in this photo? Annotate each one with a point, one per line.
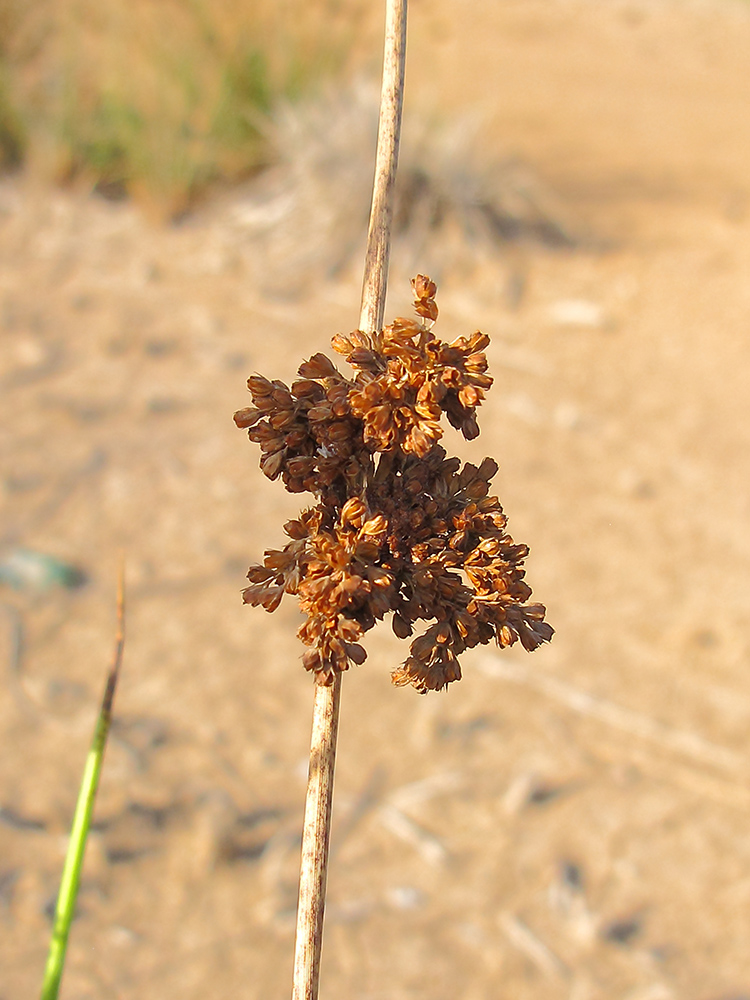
(389, 132)
(315, 840)
(317, 825)
(71, 876)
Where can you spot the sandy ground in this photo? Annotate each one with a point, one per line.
(571, 824)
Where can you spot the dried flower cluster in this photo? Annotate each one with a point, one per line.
(399, 527)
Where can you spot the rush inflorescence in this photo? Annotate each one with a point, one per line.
(398, 527)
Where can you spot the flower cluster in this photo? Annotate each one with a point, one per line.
(399, 527)
(307, 432)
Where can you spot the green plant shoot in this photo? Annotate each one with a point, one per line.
(71, 876)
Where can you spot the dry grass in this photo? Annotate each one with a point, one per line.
(158, 100)
(453, 201)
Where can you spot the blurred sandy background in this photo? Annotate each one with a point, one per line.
(570, 824)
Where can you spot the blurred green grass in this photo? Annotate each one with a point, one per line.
(159, 100)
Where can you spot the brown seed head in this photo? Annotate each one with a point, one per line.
(398, 526)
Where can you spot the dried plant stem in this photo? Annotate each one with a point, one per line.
(317, 825)
(315, 839)
(386, 161)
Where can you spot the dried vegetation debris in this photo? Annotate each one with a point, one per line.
(308, 211)
(399, 526)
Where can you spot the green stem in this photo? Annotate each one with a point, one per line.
(71, 877)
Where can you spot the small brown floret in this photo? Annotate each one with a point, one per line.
(425, 291)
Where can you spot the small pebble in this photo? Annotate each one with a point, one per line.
(622, 931)
(571, 875)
